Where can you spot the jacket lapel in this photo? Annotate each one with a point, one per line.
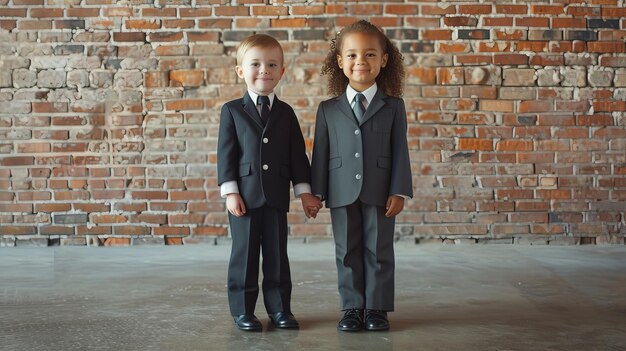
(250, 107)
(377, 103)
(344, 107)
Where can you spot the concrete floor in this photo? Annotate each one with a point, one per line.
(479, 297)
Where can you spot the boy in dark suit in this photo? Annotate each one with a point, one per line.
(361, 168)
(260, 150)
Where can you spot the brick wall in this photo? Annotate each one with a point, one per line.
(109, 115)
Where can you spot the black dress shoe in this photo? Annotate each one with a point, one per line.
(248, 322)
(376, 320)
(352, 320)
(284, 320)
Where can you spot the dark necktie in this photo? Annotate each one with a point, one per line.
(359, 109)
(264, 101)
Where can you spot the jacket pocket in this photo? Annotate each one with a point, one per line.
(384, 162)
(334, 162)
(244, 169)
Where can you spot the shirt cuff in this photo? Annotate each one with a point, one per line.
(403, 196)
(229, 188)
(301, 188)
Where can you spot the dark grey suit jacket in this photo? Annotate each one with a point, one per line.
(369, 161)
(262, 160)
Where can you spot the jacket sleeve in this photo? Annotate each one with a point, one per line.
(227, 148)
(401, 179)
(319, 164)
(300, 168)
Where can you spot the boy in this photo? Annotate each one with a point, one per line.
(260, 150)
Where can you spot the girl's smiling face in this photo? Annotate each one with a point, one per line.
(361, 59)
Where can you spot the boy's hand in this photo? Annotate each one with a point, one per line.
(395, 204)
(235, 205)
(311, 204)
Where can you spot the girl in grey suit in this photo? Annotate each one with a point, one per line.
(361, 168)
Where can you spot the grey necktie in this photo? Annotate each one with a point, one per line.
(359, 109)
(264, 101)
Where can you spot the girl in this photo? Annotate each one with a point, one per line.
(361, 168)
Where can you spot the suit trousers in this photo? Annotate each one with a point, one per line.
(364, 256)
(262, 229)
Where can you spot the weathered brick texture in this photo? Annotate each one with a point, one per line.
(109, 115)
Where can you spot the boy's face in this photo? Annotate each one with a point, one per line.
(361, 59)
(261, 68)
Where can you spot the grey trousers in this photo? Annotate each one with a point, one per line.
(364, 256)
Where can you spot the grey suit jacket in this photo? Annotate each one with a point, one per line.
(369, 161)
(263, 160)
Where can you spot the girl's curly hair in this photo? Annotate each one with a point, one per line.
(391, 77)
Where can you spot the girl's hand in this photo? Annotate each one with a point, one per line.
(311, 204)
(235, 205)
(395, 204)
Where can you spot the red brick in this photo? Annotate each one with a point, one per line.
(307, 10)
(149, 195)
(197, 12)
(445, 48)
(8, 25)
(116, 242)
(156, 12)
(437, 34)
(569, 23)
(46, 12)
(475, 144)
(181, 105)
(34, 25)
(167, 230)
(547, 9)
(508, 35)
(444, 9)
(510, 59)
(17, 230)
(129, 36)
(460, 21)
(143, 24)
(289, 22)
(497, 21)
(180, 24)
(475, 9)
(186, 78)
(606, 47)
(535, 106)
(404, 9)
(512, 9)
(15, 12)
(532, 22)
(83, 12)
(165, 36)
(117, 12)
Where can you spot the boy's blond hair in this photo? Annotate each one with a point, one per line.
(263, 41)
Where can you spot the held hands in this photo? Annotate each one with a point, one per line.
(311, 204)
(395, 204)
(235, 205)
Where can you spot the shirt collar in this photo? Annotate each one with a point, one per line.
(254, 97)
(368, 93)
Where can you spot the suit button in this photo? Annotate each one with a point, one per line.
(265, 140)
(266, 167)
(357, 155)
(358, 176)
(357, 132)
